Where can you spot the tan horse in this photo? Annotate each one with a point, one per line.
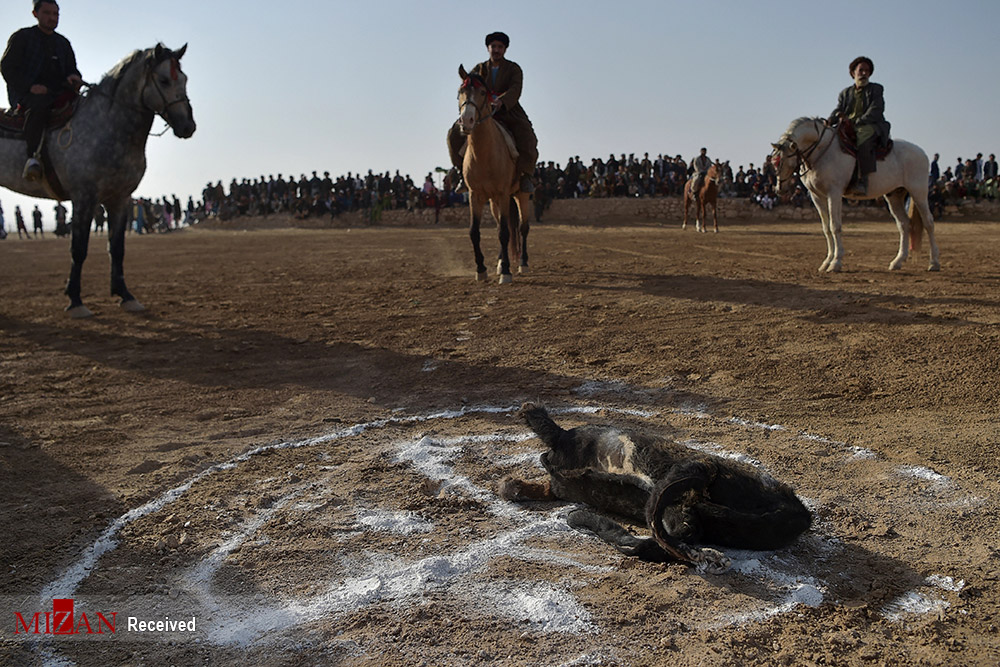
(708, 194)
(489, 169)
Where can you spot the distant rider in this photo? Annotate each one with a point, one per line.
(700, 166)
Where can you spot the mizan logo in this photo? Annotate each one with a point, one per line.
(62, 621)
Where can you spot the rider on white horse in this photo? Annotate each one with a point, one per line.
(863, 105)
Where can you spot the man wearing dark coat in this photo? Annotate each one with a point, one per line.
(503, 77)
(864, 105)
(39, 65)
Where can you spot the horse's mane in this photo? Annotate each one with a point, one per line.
(114, 77)
(476, 78)
(794, 125)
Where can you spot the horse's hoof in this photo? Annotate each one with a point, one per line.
(522, 269)
(711, 561)
(132, 306)
(934, 267)
(506, 279)
(79, 312)
(481, 276)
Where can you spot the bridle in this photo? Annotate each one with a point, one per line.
(150, 78)
(491, 97)
(803, 165)
(175, 68)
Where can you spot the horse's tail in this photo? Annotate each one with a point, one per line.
(916, 225)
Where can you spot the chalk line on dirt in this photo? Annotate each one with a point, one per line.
(395, 581)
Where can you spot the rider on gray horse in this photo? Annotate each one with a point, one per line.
(863, 105)
(39, 65)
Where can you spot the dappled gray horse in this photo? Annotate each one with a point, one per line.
(99, 156)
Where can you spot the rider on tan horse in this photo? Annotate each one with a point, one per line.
(504, 78)
(699, 167)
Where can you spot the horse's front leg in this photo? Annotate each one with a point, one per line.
(836, 250)
(118, 219)
(824, 221)
(83, 213)
(501, 211)
(699, 222)
(715, 216)
(475, 211)
(687, 201)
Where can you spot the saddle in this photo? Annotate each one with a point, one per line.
(509, 138)
(12, 120)
(849, 141)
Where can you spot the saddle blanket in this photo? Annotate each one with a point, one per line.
(849, 141)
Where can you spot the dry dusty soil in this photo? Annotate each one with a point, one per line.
(298, 444)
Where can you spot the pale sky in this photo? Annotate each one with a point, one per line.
(335, 86)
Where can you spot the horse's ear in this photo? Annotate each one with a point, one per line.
(179, 53)
(158, 52)
(462, 73)
(776, 146)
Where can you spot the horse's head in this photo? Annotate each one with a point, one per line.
(165, 89)
(475, 100)
(786, 159)
(791, 151)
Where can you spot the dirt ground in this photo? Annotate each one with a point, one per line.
(298, 445)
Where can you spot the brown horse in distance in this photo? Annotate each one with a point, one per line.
(707, 194)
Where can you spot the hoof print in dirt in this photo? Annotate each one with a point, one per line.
(685, 497)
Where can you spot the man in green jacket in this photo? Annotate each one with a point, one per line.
(504, 77)
(864, 105)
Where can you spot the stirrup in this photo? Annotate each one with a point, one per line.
(461, 188)
(33, 170)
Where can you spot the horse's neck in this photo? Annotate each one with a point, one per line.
(486, 139)
(118, 109)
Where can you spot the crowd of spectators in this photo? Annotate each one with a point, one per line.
(617, 176)
(373, 193)
(976, 179)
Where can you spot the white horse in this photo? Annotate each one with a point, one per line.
(810, 148)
